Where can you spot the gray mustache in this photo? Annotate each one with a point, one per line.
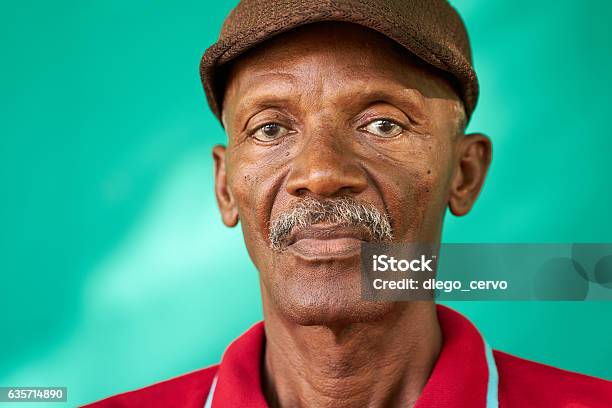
(345, 211)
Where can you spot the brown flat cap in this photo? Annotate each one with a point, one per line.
(430, 29)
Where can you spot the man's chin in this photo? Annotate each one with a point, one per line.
(329, 308)
(324, 293)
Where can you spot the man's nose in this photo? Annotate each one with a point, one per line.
(325, 167)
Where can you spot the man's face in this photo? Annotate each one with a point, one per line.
(324, 122)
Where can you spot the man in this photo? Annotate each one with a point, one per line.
(345, 124)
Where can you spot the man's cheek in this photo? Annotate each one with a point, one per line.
(252, 203)
(415, 202)
(254, 231)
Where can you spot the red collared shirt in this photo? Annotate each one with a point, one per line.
(466, 374)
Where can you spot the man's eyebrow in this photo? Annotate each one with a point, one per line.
(410, 100)
(250, 105)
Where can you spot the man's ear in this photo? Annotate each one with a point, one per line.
(225, 198)
(473, 159)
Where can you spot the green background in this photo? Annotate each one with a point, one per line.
(115, 269)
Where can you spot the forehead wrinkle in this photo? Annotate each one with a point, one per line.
(255, 90)
(367, 81)
(280, 76)
(247, 85)
(409, 77)
(367, 71)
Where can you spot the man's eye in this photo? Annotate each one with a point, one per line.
(384, 128)
(270, 131)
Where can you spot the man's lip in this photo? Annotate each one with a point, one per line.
(319, 243)
(326, 232)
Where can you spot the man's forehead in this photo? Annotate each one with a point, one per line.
(368, 78)
(355, 56)
(348, 86)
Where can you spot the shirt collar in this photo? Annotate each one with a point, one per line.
(464, 374)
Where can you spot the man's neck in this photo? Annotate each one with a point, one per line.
(379, 364)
